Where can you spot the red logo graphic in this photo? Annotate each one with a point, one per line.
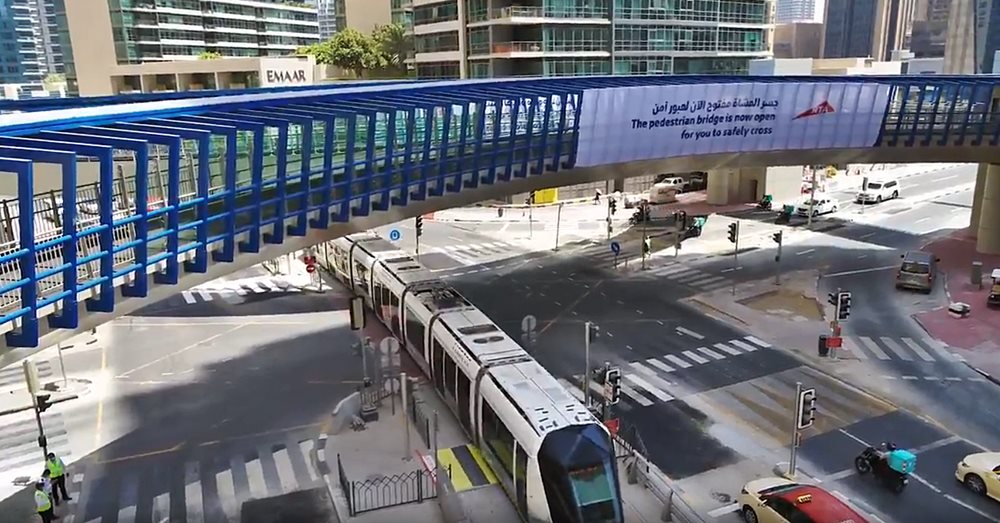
(821, 108)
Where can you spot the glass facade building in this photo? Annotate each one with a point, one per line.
(495, 38)
(22, 42)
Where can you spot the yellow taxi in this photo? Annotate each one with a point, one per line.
(981, 473)
(779, 500)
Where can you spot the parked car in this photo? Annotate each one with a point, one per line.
(665, 189)
(821, 205)
(878, 191)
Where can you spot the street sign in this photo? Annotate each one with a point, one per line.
(528, 324)
(395, 235)
(310, 269)
(616, 248)
(613, 425)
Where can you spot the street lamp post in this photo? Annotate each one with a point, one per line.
(591, 329)
(558, 222)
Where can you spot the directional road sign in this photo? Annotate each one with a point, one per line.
(616, 248)
(395, 235)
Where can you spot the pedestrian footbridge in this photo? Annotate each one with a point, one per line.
(114, 202)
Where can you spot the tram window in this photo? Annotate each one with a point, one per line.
(393, 301)
(463, 400)
(378, 300)
(520, 481)
(414, 331)
(449, 375)
(499, 439)
(438, 365)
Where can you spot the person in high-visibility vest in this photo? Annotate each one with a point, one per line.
(57, 469)
(43, 504)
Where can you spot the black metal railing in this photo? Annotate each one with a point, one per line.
(380, 492)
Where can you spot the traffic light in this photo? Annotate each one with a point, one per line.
(734, 231)
(647, 245)
(613, 385)
(612, 205)
(420, 226)
(777, 237)
(843, 305)
(683, 217)
(42, 402)
(805, 409)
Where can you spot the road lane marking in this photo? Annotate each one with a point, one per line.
(648, 387)
(192, 495)
(860, 271)
(743, 345)
(695, 358)
(660, 365)
(188, 297)
(632, 393)
(896, 348)
(807, 251)
(677, 361)
(727, 349)
(873, 348)
(955, 500)
(710, 353)
(757, 341)
(913, 345)
(851, 347)
(226, 489)
(689, 332)
(869, 235)
(185, 349)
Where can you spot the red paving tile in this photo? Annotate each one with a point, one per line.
(979, 333)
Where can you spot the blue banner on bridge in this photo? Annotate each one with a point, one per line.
(625, 124)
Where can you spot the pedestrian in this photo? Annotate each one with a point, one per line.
(43, 504)
(47, 481)
(57, 469)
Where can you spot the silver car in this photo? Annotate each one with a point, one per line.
(918, 271)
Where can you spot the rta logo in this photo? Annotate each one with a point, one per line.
(528, 326)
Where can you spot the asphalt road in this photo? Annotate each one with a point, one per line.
(205, 404)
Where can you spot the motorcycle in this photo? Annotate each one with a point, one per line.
(785, 215)
(765, 203)
(640, 215)
(892, 471)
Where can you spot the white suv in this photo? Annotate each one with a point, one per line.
(878, 191)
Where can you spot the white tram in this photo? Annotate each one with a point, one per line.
(554, 459)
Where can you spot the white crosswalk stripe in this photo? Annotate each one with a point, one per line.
(660, 365)
(268, 470)
(677, 361)
(710, 353)
(727, 349)
(743, 345)
(231, 290)
(884, 348)
(648, 387)
(479, 253)
(694, 357)
(758, 342)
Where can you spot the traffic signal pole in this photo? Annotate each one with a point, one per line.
(795, 429)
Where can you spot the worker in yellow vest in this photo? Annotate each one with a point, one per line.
(57, 469)
(43, 504)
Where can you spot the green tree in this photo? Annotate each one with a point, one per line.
(394, 43)
(350, 50)
(53, 81)
(209, 55)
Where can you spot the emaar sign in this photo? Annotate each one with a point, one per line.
(296, 76)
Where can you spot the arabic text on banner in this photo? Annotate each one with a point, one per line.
(643, 123)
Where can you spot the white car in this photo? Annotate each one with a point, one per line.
(981, 473)
(878, 192)
(822, 205)
(665, 189)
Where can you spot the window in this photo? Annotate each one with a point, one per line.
(464, 386)
(438, 367)
(433, 13)
(437, 42)
(449, 376)
(393, 300)
(520, 480)
(498, 439)
(414, 331)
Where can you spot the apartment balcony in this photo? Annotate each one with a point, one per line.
(528, 15)
(538, 49)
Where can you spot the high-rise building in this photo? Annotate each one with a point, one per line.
(930, 28)
(973, 37)
(496, 38)
(104, 33)
(867, 28)
(800, 11)
(327, 12)
(22, 45)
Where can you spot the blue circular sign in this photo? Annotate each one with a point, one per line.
(616, 248)
(395, 235)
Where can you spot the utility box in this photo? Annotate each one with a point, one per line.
(823, 346)
(976, 274)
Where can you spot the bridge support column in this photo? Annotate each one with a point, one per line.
(977, 197)
(988, 237)
(722, 186)
(749, 184)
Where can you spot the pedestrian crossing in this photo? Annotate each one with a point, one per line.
(237, 291)
(646, 382)
(19, 441)
(13, 377)
(885, 348)
(659, 267)
(212, 488)
(479, 253)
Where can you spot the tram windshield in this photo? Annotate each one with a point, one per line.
(577, 464)
(593, 490)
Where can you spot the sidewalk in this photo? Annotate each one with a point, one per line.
(977, 335)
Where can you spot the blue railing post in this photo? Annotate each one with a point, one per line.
(228, 251)
(543, 147)
(388, 165)
(443, 156)
(347, 209)
(326, 186)
(27, 334)
(365, 208)
(530, 138)
(171, 273)
(305, 162)
(515, 115)
(557, 161)
(105, 301)
(252, 243)
(459, 161)
(200, 262)
(576, 129)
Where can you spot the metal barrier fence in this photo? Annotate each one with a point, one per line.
(639, 469)
(380, 492)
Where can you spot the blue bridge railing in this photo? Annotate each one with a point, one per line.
(129, 192)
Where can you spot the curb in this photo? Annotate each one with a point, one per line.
(324, 470)
(983, 373)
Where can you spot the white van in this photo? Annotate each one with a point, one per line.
(878, 191)
(665, 189)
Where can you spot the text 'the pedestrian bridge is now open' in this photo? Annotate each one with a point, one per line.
(114, 202)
